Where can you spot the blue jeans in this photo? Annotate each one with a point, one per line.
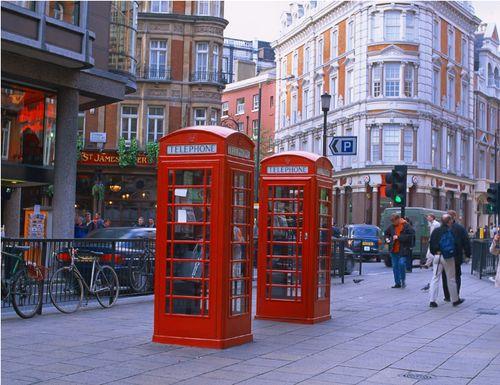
(398, 267)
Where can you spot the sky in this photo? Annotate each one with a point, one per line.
(260, 19)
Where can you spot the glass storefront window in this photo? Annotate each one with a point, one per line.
(28, 125)
(67, 11)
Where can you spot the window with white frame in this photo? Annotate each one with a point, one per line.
(392, 25)
(295, 64)
(241, 127)
(435, 148)
(81, 126)
(463, 157)
(451, 93)
(155, 123)
(294, 108)
(317, 98)
(283, 69)
(376, 80)
(307, 57)
(283, 112)
(410, 26)
(391, 79)
(216, 8)
(465, 53)
(6, 124)
(335, 44)
(215, 61)
(305, 103)
(375, 144)
(450, 152)
(225, 109)
(464, 98)
(451, 43)
(240, 106)
(333, 92)
(201, 61)
(128, 127)
(200, 116)
(436, 89)
(391, 141)
(255, 128)
(214, 117)
(375, 29)
(162, 6)
(349, 79)
(255, 102)
(350, 35)
(157, 59)
(493, 120)
(482, 116)
(203, 8)
(435, 34)
(319, 56)
(408, 144)
(409, 80)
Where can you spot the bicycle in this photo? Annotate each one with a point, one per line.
(22, 282)
(66, 287)
(141, 270)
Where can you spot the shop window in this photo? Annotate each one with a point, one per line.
(200, 116)
(81, 127)
(6, 123)
(67, 11)
(155, 123)
(128, 130)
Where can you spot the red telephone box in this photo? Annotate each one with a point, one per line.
(295, 222)
(203, 274)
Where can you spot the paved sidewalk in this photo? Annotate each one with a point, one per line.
(377, 335)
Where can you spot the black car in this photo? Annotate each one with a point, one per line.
(365, 241)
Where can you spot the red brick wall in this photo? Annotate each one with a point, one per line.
(174, 118)
(177, 59)
(179, 7)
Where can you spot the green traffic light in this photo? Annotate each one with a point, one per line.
(398, 199)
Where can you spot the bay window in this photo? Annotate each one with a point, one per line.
(392, 25)
(408, 145)
(200, 116)
(409, 80)
(410, 26)
(155, 123)
(215, 61)
(375, 19)
(375, 144)
(391, 141)
(128, 127)
(376, 80)
(391, 77)
(201, 61)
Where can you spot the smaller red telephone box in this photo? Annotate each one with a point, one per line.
(295, 222)
(204, 231)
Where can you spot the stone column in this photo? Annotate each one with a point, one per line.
(65, 163)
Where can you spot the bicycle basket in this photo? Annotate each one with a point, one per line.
(38, 273)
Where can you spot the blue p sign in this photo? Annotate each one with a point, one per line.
(346, 146)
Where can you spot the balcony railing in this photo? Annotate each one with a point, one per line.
(157, 73)
(210, 77)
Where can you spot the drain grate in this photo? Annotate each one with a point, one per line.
(417, 376)
(487, 312)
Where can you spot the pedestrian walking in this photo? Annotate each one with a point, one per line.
(429, 258)
(463, 247)
(399, 236)
(495, 250)
(444, 246)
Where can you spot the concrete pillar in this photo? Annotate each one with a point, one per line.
(12, 214)
(65, 164)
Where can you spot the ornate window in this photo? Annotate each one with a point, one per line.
(410, 26)
(392, 25)
(391, 143)
(408, 145)
(375, 144)
(392, 79)
(409, 80)
(376, 80)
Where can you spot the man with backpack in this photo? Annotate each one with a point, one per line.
(444, 247)
(399, 235)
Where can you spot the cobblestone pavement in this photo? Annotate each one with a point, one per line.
(377, 335)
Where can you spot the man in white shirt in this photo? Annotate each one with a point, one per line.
(433, 225)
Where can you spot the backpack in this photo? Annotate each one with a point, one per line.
(447, 245)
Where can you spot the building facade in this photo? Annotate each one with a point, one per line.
(400, 79)
(56, 61)
(238, 53)
(242, 109)
(487, 116)
(179, 80)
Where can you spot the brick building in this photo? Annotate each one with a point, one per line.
(179, 83)
(240, 108)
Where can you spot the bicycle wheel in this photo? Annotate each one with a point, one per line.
(26, 293)
(66, 290)
(107, 287)
(138, 272)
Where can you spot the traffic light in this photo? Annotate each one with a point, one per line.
(396, 185)
(493, 198)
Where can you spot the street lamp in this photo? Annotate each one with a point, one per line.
(325, 107)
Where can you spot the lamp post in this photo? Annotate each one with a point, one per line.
(325, 107)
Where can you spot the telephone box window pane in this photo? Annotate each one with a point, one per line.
(190, 177)
(324, 245)
(187, 306)
(189, 195)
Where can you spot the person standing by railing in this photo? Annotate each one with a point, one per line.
(495, 250)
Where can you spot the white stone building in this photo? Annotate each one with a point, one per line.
(400, 76)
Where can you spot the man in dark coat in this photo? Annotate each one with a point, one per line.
(463, 247)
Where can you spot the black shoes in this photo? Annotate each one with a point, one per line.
(396, 286)
(433, 304)
(446, 300)
(456, 303)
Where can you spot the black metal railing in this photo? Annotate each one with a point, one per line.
(210, 77)
(132, 259)
(157, 73)
(483, 263)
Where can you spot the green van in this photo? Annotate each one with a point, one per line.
(417, 216)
